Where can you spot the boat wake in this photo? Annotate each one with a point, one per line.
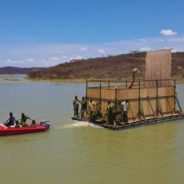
(80, 124)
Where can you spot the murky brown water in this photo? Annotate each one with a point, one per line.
(71, 153)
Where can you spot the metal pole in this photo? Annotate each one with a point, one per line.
(100, 96)
(108, 84)
(139, 101)
(157, 108)
(174, 95)
(150, 105)
(116, 94)
(86, 89)
(116, 99)
(178, 104)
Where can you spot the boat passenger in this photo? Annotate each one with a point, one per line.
(18, 125)
(125, 105)
(83, 103)
(11, 121)
(23, 119)
(33, 124)
(76, 107)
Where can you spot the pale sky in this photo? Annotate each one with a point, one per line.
(49, 32)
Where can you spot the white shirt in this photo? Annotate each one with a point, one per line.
(125, 106)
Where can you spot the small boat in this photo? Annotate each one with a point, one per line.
(42, 126)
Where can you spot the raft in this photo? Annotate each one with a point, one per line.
(5, 131)
(152, 99)
(133, 124)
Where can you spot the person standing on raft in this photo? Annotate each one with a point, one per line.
(83, 103)
(91, 109)
(110, 113)
(125, 105)
(76, 107)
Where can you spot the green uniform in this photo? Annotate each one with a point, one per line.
(83, 107)
(76, 108)
(110, 113)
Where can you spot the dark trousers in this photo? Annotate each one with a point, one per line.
(110, 118)
(76, 112)
(125, 117)
(9, 123)
(82, 112)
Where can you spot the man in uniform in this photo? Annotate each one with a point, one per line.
(110, 113)
(83, 103)
(76, 107)
(125, 105)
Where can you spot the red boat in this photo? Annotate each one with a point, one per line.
(4, 130)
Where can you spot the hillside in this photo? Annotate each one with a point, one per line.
(17, 70)
(119, 66)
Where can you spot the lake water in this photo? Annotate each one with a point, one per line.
(77, 153)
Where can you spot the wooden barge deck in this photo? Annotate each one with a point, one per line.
(133, 124)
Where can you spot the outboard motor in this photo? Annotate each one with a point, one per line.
(45, 123)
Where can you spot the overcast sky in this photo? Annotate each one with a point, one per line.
(48, 32)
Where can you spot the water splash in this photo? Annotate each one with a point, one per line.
(79, 124)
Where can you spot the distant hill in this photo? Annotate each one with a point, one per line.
(17, 70)
(119, 66)
(105, 67)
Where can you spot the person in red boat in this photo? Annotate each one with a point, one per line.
(33, 124)
(17, 124)
(11, 121)
(23, 120)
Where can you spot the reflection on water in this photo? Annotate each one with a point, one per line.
(80, 153)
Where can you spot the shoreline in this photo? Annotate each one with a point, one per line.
(76, 81)
(178, 80)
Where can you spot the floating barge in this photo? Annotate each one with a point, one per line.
(152, 100)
